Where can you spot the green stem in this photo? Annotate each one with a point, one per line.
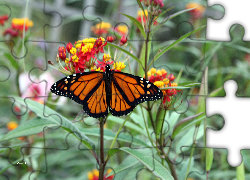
(192, 151)
(172, 168)
(159, 153)
(102, 163)
(161, 133)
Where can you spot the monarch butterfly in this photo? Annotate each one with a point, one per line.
(99, 91)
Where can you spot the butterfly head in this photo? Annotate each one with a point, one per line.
(108, 68)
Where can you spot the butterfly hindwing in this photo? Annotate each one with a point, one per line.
(96, 105)
(118, 104)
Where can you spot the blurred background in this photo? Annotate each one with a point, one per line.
(25, 72)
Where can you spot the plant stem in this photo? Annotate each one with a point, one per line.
(192, 150)
(161, 132)
(102, 163)
(172, 168)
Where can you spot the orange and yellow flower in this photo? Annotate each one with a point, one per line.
(118, 66)
(17, 25)
(94, 175)
(82, 56)
(121, 29)
(101, 28)
(13, 125)
(197, 12)
(161, 80)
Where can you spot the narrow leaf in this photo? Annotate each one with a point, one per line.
(203, 94)
(176, 42)
(109, 135)
(177, 79)
(136, 23)
(169, 18)
(209, 158)
(216, 92)
(128, 162)
(125, 51)
(55, 118)
(144, 156)
(185, 124)
(240, 172)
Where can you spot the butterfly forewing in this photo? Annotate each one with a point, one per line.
(135, 88)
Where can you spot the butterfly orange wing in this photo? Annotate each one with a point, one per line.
(86, 88)
(128, 90)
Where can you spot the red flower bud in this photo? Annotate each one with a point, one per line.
(61, 49)
(12, 32)
(171, 77)
(69, 46)
(110, 38)
(3, 19)
(123, 40)
(62, 53)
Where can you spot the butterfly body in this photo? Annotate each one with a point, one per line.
(101, 92)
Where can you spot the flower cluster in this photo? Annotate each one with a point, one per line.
(101, 28)
(3, 19)
(197, 12)
(155, 3)
(17, 25)
(161, 80)
(141, 18)
(82, 57)
(94, 175)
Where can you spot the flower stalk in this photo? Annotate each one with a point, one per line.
(102, 162)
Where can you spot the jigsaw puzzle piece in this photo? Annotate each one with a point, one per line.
(218, 29)
(225, 137)
(13, 30)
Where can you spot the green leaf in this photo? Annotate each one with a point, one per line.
(33, 126)
(177, 79)
(126, 163)
(176, 42)
(216, 92)
(12, 60)
(189, 84)
(109, 135)
(176, 87)
(143, 155)
(160, 118)
(240, 172)
(125, 51)
(169, 18)
(136, 23)
(202, 95)
(112, 152)
(185, 124)
(209, 158)
(127, 124)
(52, 119)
